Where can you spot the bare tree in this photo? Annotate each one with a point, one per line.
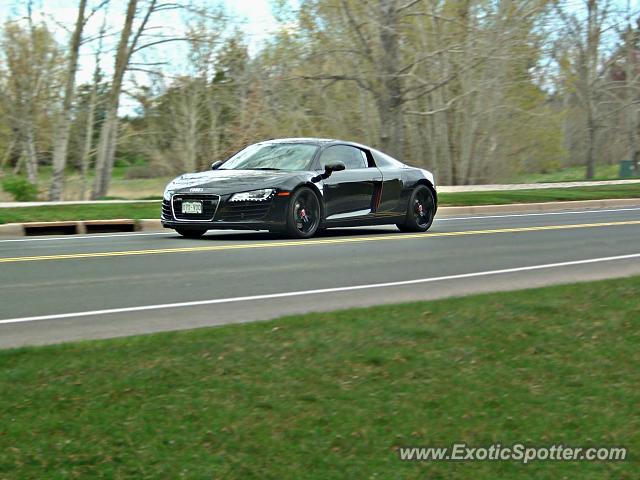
(625, 91)
(30, 86)
(130, 42)
(108, 132)
(457, 87)
(632, 97)
(185, 125)
(87, 150)
(374, 61)
(474, 58)
(585, 75)
(447, 65)
(61, 139)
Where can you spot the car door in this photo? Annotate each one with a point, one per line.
(390, 199)
(350, 192)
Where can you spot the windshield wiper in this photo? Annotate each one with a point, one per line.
(264, 168)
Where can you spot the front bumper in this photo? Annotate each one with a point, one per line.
(269, 215)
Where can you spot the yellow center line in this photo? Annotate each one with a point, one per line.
(317, 241)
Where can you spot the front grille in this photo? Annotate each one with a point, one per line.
(166, 210)
(209, 205)
(238, 211)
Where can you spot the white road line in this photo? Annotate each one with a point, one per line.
(271, 296)
(543, 214)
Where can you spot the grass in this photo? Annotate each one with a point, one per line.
(152, 210)
(539, 195)
(332, 395)
(139, 188)
(120, 187)
(135, 189)
(569, 174)
(79, 212)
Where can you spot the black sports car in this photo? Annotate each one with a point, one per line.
(298, 186)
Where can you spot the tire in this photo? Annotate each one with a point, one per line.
(191, 232)
(303, 213)
(420, 211)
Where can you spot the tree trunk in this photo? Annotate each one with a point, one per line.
(593, 39)
(108, 131)
(105, 153)
(7, 155)
(632, 129)
(390, 99)
(61, 139)
(188, 120)
(591, 147)
(88, 137)
(631, 95)
(87, 152)
(30, 156)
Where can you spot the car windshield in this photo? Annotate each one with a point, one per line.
(272, 156)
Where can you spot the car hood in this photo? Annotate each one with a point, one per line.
(230, 181)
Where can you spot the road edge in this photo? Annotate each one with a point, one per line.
(75, 227)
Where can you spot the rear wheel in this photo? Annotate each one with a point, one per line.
(191, 232)
(303, 213)
(420, 211)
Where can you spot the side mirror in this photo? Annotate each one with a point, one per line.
(328, 170)
(216, 165)
(333, 167)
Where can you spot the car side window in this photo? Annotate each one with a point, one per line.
(385, 161)
(352, 157)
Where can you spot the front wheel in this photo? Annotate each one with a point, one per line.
(191, 232)
(303, 213)
(420, 211)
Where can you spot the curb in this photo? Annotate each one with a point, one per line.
(79, 227)
(154, 225)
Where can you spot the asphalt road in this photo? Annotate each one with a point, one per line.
(79, 287)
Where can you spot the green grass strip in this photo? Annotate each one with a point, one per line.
(152, 210)
(540, 195)
(332, 395)
(79, 212)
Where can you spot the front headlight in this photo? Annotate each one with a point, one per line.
(167, 193)
(253, 196)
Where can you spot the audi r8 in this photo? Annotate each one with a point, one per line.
(298, 186)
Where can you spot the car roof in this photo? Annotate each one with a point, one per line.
(313, 140)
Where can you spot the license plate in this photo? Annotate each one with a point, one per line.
(191, 207)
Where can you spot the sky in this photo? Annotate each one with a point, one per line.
(253, 17)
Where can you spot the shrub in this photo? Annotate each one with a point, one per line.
(20, 188)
